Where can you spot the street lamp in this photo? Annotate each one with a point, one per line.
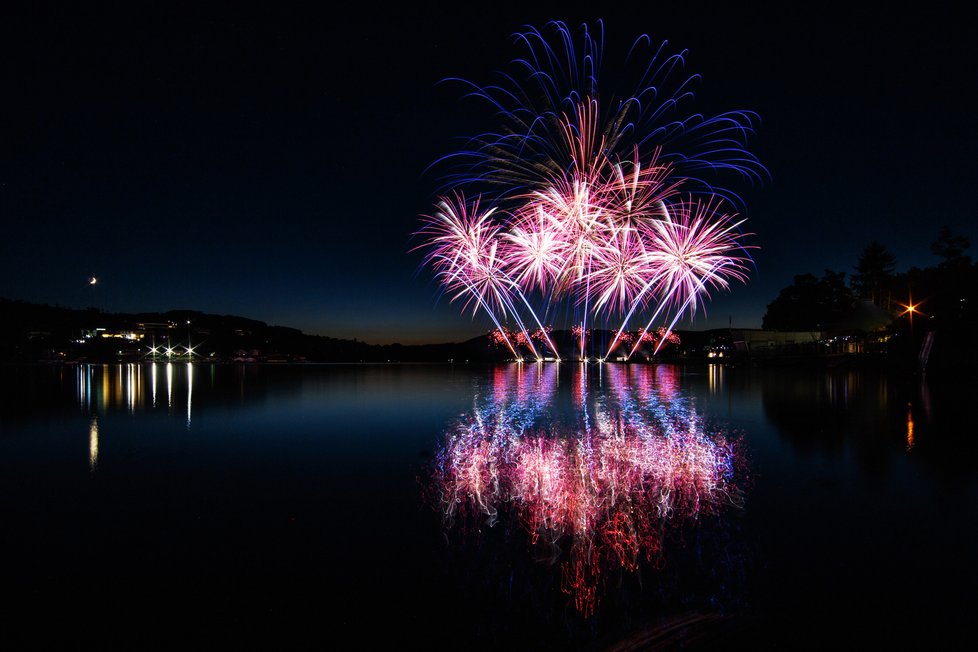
(910, 309)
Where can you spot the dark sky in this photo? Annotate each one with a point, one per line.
(273, 164)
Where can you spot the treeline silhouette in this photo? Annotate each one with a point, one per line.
(939, 300)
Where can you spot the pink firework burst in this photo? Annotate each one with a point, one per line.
(463, 245)
(695, 246)
(620, 270)
(535, 249)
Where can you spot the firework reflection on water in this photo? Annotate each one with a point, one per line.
(597, 486)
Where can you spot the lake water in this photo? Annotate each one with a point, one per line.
(512, 507)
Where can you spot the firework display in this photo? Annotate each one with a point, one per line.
(586, 211)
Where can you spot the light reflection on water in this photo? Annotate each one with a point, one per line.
(106, 388)
(93, 444)
(190, 391)
(102, 388)
(596, 486)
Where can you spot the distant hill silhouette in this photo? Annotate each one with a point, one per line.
(31, 332)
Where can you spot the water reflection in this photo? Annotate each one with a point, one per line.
(716, 379)
(93, 444)
(877, 413)
(909, 427)
(169, 385)
(190, 390)
(597, 482)
(133, 387)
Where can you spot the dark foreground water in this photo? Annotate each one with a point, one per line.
(513, 507)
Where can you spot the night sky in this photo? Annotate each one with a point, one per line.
(273, 164)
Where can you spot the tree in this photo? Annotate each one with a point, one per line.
(874, 271)
(950, 247)
(810, 303)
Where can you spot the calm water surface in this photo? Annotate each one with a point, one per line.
(511, 507)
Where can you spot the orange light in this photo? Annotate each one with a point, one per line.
(910, 441)
(910, 308)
